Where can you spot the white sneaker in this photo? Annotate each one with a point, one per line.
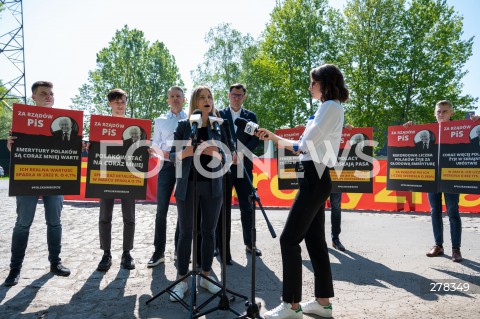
(284, 311)
(204, 283)
(313, 307)
(178, 291)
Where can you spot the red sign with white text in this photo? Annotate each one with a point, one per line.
(118, 157)
(46, 153)
(460, 157)
(413, 158)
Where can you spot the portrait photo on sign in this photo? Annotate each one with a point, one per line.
(475, 138)
(134, 133)
(358, 138)
(64, 129)
(475, 133)
(424, 140)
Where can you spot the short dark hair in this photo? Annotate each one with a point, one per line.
(116, 94)
(41, 83)
(238, 86)
(332, 84)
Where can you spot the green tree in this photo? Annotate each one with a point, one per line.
(129, 62)
(297, 38)
(5, 112)
(434, 63)
(400, 59)
(223, 61)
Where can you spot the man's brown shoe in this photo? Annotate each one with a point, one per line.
(456, 255)
(435, 251)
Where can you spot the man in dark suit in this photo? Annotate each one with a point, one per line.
(66, 135)
(425, 143)
(135, 135)
(244, 143)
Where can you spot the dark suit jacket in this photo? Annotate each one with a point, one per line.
(250, 141)
(183, 132)
(475, 145)
(419, 146)
(74, 138)
(127, 143)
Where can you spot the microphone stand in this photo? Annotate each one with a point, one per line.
(253, 309)
(192, 307)
(224, 303)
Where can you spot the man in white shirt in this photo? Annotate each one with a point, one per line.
(163, 130)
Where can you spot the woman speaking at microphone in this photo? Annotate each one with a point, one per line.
(206, 162)
(318, 149)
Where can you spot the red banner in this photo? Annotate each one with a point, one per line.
(265, 179)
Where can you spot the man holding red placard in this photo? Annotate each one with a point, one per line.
(42, 94)
(443, 112)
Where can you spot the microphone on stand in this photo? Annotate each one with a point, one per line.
(195, 121)
(215, 123)
(248, 127)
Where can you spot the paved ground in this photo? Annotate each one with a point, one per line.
(383, 274)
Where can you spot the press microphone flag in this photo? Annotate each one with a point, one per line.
(248, 127)
(215, 122)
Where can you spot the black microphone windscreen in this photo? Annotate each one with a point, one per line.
(241, 123)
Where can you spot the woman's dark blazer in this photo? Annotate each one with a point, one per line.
(183, 132)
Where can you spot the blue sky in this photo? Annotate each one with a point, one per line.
(63, 37)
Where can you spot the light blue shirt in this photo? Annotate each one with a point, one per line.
(163, 129)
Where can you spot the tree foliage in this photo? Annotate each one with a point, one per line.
(223, 62)
(400, 59)
(145, 71)
(297, 38)
(5, 112)
(276, 71)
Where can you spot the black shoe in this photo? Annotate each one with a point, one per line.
(156, 259)
(59, 269)
(258, 252)
(127, 261)
(105, 263)
(338, 245)
(12, 278)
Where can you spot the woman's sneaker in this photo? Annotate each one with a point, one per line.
(313, 307)
(179, 291)
(204, 283)
(284, 311)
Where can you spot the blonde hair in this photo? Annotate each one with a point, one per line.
(194, 100)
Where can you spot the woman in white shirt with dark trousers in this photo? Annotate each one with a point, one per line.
(318, 149)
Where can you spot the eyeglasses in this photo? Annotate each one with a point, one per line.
(236, 96)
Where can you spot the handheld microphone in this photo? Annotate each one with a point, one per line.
(248, 127)
(215, 122)
(195, 121)
(231, 144)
